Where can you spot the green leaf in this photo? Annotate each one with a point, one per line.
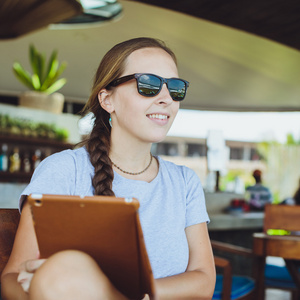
(54, 75)
(36, 82)
(51, 61)
(61, 134)
(37, 61)
(51, 77)
(22, 75)
(56, 86)
(53, 70)
(61, 68)
(33, 54)
(40, 67)
(42, 79)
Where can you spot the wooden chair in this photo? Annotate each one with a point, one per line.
(228, 285)
(284, 217)
(276, 217)
(279, 218)
(9, 221)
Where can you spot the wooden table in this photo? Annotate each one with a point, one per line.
(287, 247)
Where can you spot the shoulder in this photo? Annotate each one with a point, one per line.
(176, 170)
(60, 172)
(79, 153)
(257, 188)
(179, 176)
(64, 163)
(67, 156)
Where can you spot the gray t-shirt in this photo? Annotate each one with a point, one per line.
(172, 201)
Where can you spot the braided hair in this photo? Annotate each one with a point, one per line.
(98, 143)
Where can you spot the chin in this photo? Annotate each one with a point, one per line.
(158, 139)
(156, 136)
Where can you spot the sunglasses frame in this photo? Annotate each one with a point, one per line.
(136, 76)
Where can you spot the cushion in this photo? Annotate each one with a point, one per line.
(278, 277)
(241, 285)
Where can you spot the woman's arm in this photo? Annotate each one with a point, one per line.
(198, 282)
(25, 248)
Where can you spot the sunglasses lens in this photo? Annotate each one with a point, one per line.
(177, 89)
(149, 85)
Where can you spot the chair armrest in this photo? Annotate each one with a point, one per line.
(232, 248)
(225, 265)
(222, 262)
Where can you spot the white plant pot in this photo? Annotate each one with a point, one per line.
(53, 103)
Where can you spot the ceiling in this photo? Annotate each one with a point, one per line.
(228, 68)
(277, 20)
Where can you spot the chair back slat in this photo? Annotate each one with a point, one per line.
(286, 217)
(9, 221)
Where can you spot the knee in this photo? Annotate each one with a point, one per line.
(69, 275)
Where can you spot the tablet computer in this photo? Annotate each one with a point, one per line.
(105, 227)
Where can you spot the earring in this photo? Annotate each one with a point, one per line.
(109, 121)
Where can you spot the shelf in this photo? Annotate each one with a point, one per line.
(28, 145)
(20, 177)
(38, 142)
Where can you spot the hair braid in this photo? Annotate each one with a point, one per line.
(98, 147)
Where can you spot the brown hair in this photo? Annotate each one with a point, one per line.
(98, 143)
(257, 176)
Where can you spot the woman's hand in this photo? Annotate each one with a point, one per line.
(26, 272)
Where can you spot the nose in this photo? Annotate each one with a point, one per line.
(164, 96)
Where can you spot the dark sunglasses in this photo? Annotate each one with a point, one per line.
(149, 85)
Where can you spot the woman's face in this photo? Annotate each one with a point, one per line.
(145, 118)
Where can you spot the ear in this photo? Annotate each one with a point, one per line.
(104, 97)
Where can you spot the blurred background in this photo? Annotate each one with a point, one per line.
(243, 63)
(241, 113)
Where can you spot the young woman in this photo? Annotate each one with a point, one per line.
(135, 99)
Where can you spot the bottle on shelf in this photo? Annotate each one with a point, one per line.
(3, 158)
(15, 161)
(26, 163)
(36, 158)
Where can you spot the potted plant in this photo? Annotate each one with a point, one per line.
(43, 82)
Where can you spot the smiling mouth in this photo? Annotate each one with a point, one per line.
(158, 116)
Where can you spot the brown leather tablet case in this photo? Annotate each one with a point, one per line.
(105, 227)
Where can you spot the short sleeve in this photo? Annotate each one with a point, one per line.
(195, 200)
(56, 174)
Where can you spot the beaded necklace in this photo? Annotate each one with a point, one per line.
(137, 173)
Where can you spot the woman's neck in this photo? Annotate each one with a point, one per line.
(133, 158)
(128, 149)
(130, 158)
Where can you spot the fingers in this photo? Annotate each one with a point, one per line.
(32, 265)
(24, 279)
(26, 272)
